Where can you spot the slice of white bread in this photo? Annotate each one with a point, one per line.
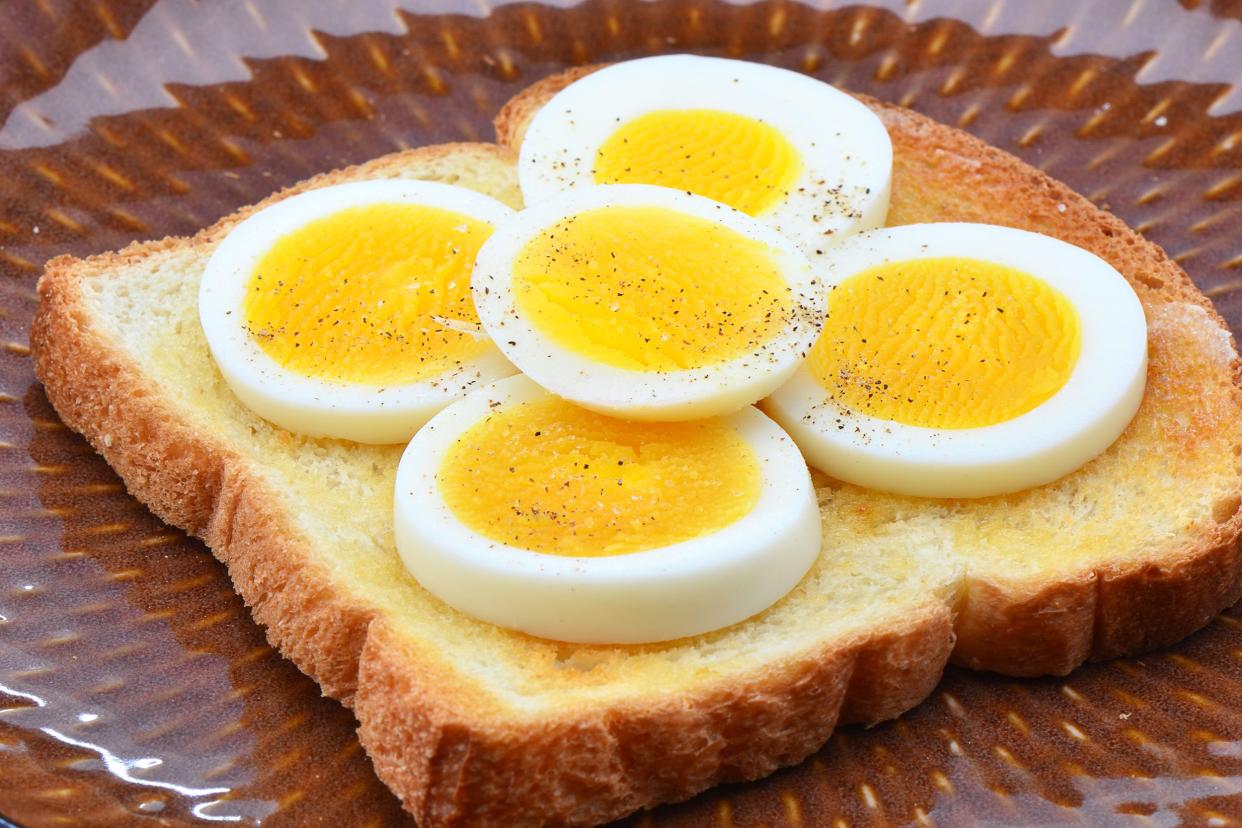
(471, 724)
(1135, 550)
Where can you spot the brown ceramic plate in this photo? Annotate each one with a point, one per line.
(134, 688)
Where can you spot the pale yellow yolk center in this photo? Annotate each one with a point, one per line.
(945, 343)
(731, 158)
(369, 295)
(553, 478)
(651, 289)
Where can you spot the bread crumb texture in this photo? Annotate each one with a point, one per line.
(472, 724)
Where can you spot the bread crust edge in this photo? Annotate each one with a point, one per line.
(436, 739)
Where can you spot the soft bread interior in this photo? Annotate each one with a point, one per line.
(870, 578)
(884, 556)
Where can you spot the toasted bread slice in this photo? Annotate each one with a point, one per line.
(1135, 550)
(467, 722)
(472, 724)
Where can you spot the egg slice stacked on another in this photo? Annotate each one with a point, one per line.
(965, 360)
(527, 511)
(646, 302)
(346, 312)
(803, 157)
(699, 236)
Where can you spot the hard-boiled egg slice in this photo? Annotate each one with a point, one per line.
(346, 311)
(965, 360)
(526, 511)
(807, 159)
(647, 303)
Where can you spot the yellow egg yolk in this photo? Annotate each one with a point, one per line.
(731, 158)
(376, 295)
(651, 289)
(554, 478)
(945, 343)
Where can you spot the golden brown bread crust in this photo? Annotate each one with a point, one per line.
(601, 764)
(440, 743)
(511, 121)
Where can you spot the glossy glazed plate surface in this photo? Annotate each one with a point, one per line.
(133, 686)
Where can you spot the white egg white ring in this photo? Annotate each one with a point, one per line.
(655, 595)
(1076, 424)
(644, 395)
(847, 156)
(316, 407)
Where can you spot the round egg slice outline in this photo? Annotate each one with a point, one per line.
(317, 407)
(846, 152)
(685, 394)
(1077, 423)
(683, 589)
